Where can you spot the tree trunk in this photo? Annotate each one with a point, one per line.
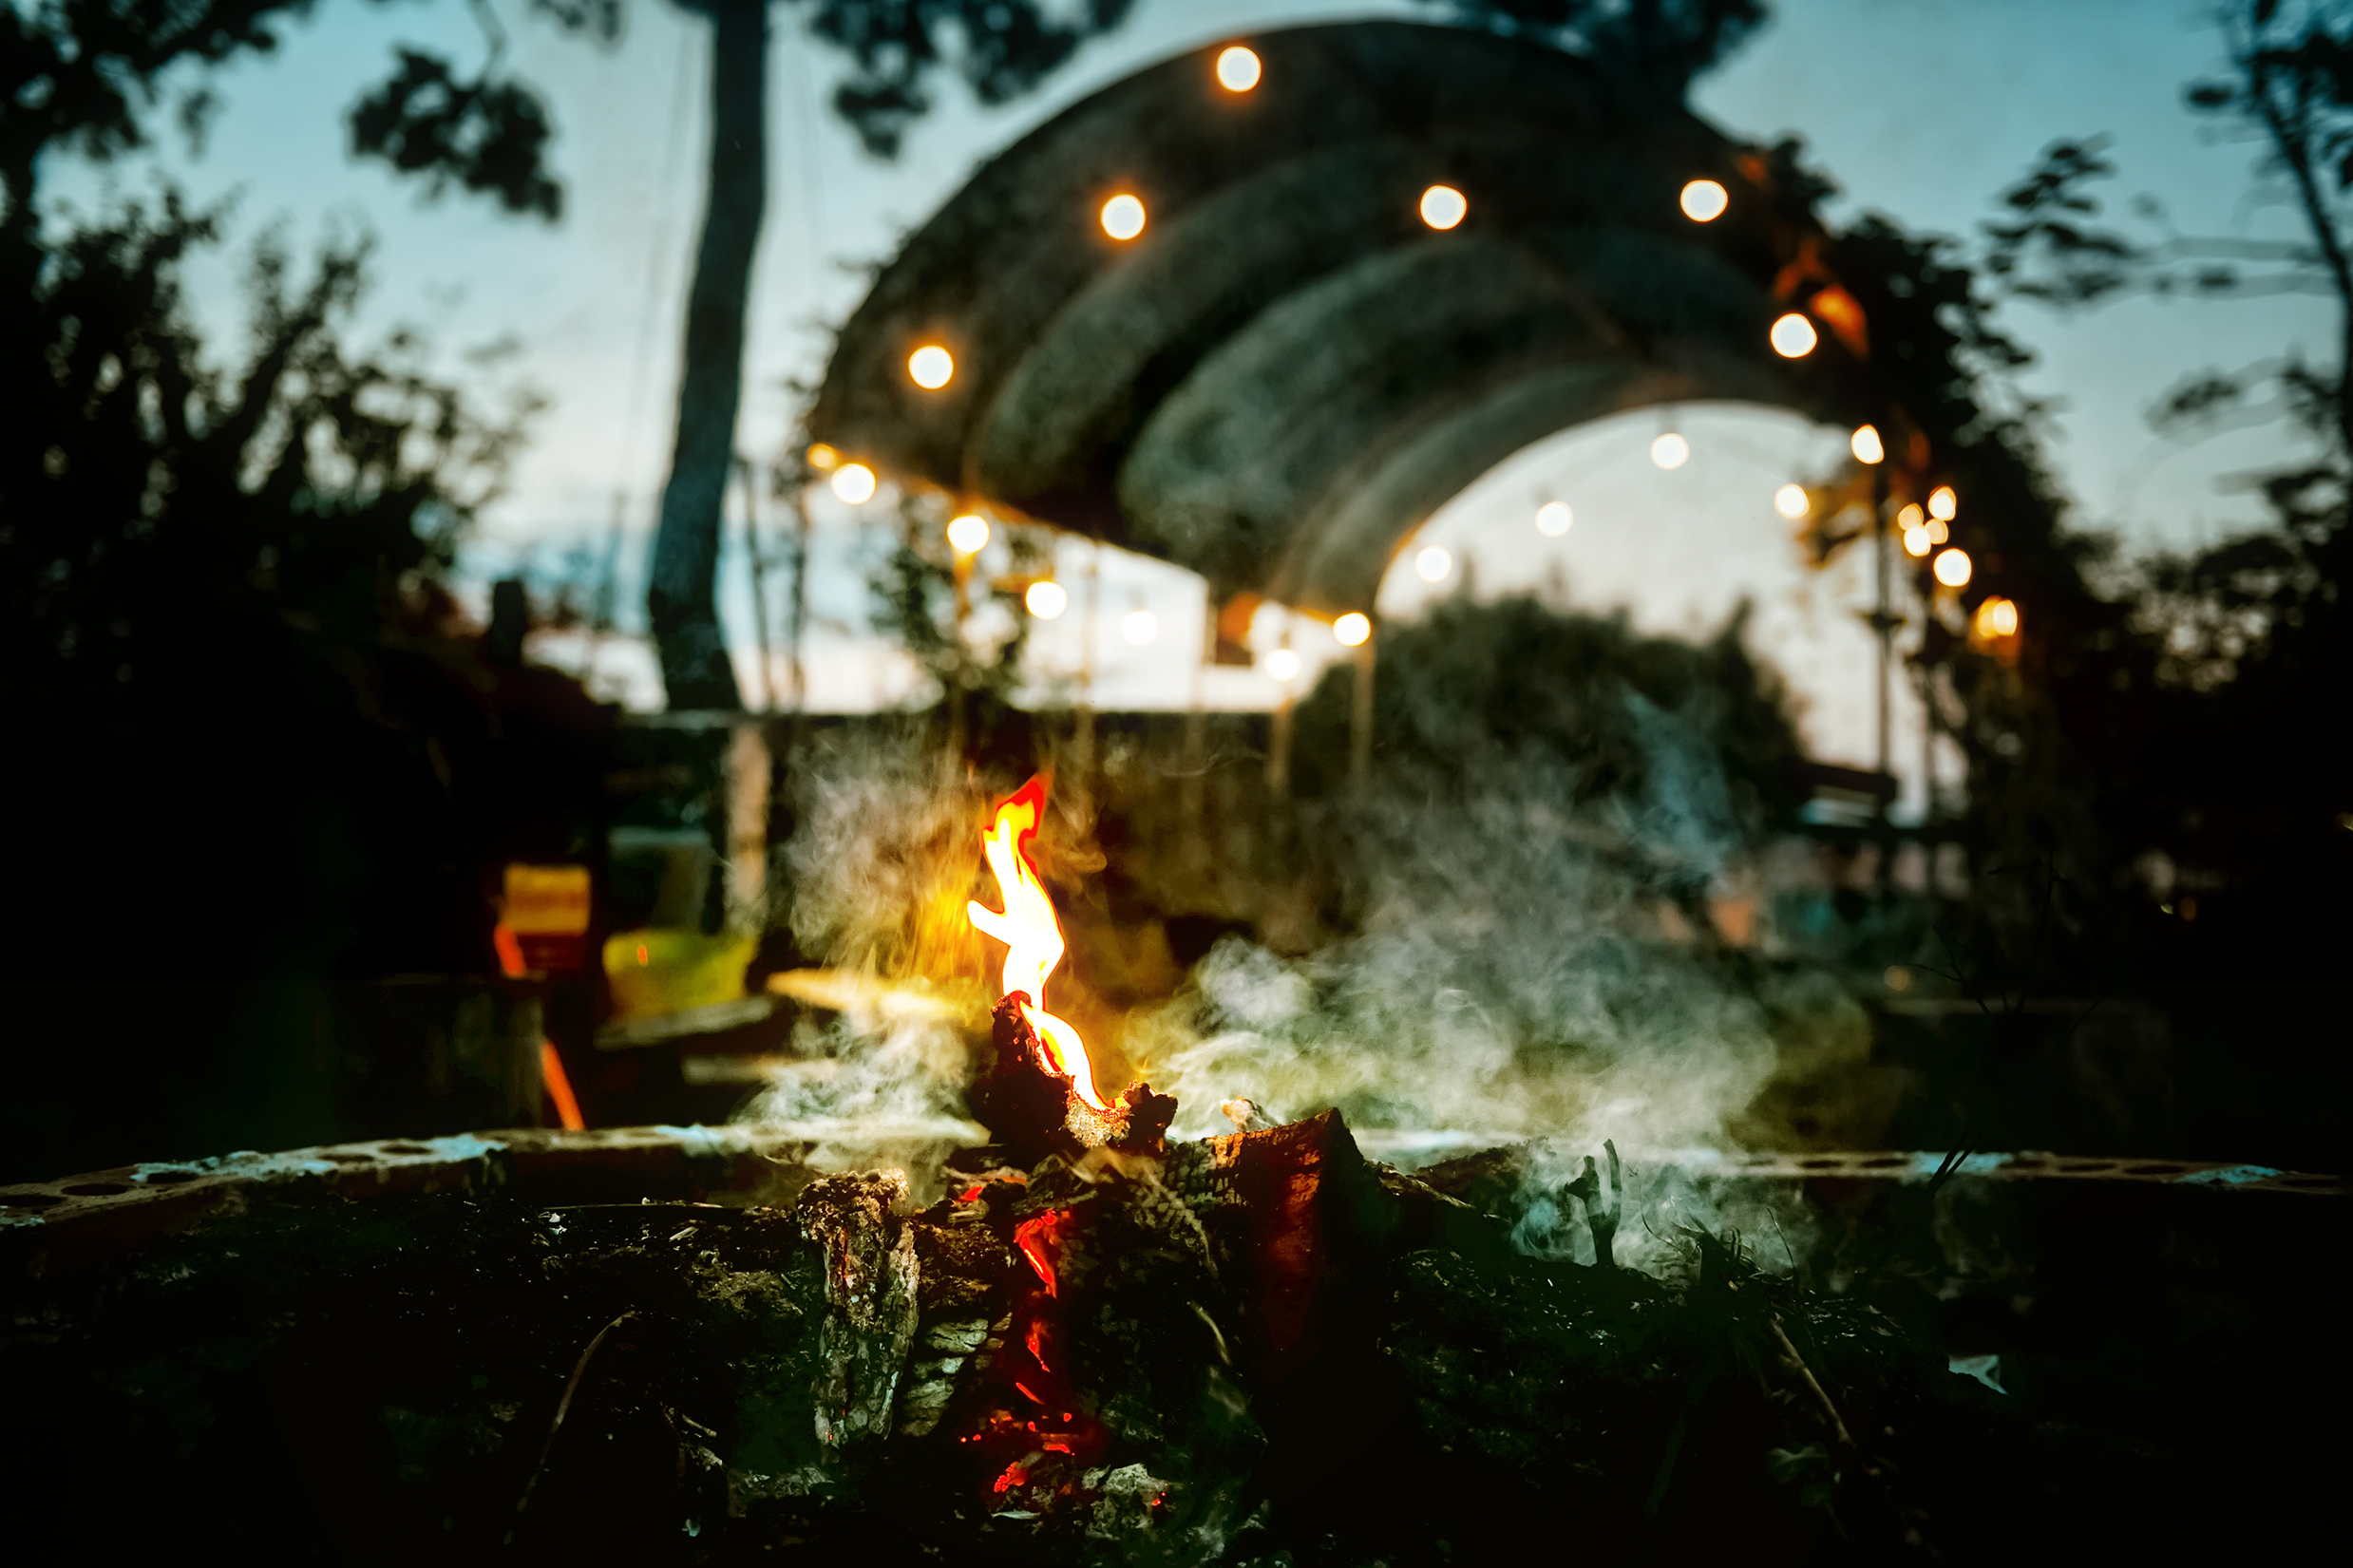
(681, 595)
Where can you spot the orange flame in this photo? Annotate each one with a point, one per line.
(1032, 935)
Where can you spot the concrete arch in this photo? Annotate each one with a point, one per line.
(1283, 376)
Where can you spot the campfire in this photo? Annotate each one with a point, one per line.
(1100, 1343)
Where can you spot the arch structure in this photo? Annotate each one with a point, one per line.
(1287, 370)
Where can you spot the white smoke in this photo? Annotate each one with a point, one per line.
(1520, 973)
(881, 860)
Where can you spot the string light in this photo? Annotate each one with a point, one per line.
(1553, 518)
(1122, 216)
(854, 482)
(1789, 501)
(1139, 627)
(822, 457)
(1996, 617)
(1352, 629)
(1952, 568)
(1794, 336)
(1670, 451)
(1282, 664)
(1916, 542)
(1866, 446)
(1938, 533)
(1910, 517)
(969, 533)
(1443, 206)
(1046, 599)
(1943, 505)
(1432, 564)
(1238, 69)
(931, 366)
(1704, 200)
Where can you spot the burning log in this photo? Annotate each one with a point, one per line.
(1039, 1093)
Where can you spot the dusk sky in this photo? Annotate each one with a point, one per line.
(1919, 110)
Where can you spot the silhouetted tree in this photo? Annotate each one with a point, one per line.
(1668, 41)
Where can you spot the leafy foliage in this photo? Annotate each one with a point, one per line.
(1670, 40)
(485, 135)
(1008, 48)
(1687, 751)
(914, 601)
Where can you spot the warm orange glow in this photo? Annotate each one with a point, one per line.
(1792, 501)
(1952, 568)
(1238, 69)
(969, 533)
(931, 366)
(509, 948)
(1122, 216)
(1704, 200)
(1909, 519)
(1867, 445)
(1943, 505)
(560, 1088)
(823, 456)
(1353, 630)
(1039, 1239)
(1046, 599)
(1032, 935)
(1996, 617)
(1916, 542)
(1794, 336)
(1443, 206)
(642, 958)
(854, 482)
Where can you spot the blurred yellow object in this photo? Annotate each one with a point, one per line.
(656, 971)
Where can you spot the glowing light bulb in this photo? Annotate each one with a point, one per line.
(1139, 627)
(1432, 564)
(1122, 216)
(1553, 518)
(1704, 200)
(1909, 519)
(1352, 629)
(822, 457)
(1789, 501)
(969, 533)
(1282, 664)
(1794, 336)
(854, 482)
(1046, 600)
(1916, 542)
(1443, 206)
(1238, 69)
(1938, 532)
(1943, 505)
(1670, 451)
(1997, 617)
(1867, 445)
(931, 366)
(1952, 568)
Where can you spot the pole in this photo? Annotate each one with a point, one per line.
(1882, 620)
(1087, 627)
(1361, 716)
(759, 591)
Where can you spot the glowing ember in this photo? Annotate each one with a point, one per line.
(1032, 935)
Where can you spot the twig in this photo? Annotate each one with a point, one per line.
(563, 1408)
(1837, 1422)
